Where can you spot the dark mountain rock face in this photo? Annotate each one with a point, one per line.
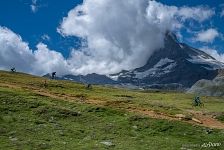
(88, 79)
(176, 65)
(91, 79)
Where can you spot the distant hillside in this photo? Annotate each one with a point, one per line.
(87, 79)
(213, 87)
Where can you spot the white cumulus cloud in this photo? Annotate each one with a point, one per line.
(47, 61)
(207, 36)
(14, 52)
(123, 34)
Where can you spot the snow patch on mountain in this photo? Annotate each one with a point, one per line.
(163, 62)
(162, 67)
(114, 77)
(68, 79)
(181, 46)
(212, 63)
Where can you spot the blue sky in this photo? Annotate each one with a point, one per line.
(37, 21)
(31, 26)
(216, 21)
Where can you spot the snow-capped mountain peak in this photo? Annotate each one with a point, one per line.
(175, 63)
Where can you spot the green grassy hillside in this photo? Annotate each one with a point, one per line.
(66, 115)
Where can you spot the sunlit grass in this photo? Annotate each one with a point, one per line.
(32, 121)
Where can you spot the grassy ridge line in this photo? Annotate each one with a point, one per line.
(160, 102)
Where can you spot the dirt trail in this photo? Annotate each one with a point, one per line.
(206, 120)
(211, 122)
